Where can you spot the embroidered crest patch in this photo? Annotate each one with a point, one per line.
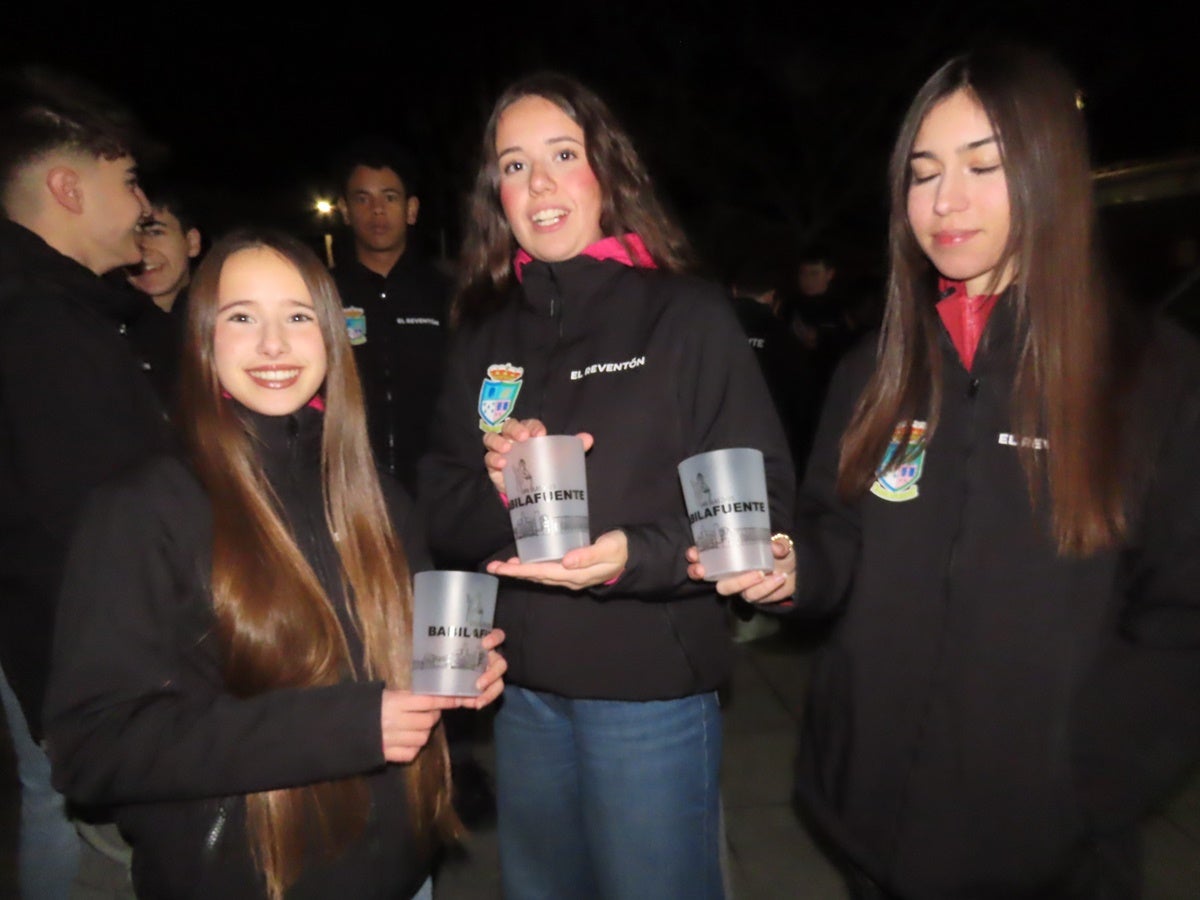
(498, 395)
(356, 325)
(896, 479)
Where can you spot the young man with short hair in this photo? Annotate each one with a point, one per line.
(169, 241)
(396, 303)
(397, 308)
(75, 404)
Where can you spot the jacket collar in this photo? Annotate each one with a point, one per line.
(551, 288)
(357, 270)
(25, 255)
(964, 317)
(285, 441)
(997, 342)
(629, 251)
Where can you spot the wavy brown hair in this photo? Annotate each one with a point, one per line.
(275, 624)
(629, 204)
(1067, 358)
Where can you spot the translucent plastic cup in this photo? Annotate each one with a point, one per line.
(726, 496)
(546, 482)
(452, 613)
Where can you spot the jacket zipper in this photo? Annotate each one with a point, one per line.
(212, 837)
(557, 305)
(970, 414)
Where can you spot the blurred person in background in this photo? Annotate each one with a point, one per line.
(170, 241)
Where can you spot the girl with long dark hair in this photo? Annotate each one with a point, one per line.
(1001, 507)
(234, 638)
(573, 295)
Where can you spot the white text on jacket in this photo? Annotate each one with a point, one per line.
(606, 368)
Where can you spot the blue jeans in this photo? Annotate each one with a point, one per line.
(608, 799)
(49, 849)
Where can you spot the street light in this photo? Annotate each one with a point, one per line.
(324, 208)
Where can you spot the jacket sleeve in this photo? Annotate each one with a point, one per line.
(1138, 727)
(408, 522)
(828, 533)
(724, 402)
(68, 420)
(65, 435)
(656, 567)
(465, 516)
(136, 710)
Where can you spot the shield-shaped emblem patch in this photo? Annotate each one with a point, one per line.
(498, 395)
(896, 479)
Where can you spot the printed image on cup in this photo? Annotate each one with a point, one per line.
(452, 613)
(545, 479)
(726, 496)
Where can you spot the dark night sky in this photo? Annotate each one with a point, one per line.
(740, 111)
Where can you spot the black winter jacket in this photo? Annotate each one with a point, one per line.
(76, 407)
(656, 368)
(401, 355)
(988, 708)
(138, 716)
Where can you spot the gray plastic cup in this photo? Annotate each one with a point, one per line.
(452, 613)
(546, 482)
(726, 496)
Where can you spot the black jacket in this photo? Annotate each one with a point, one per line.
(137, 713)
(788, 370)
(76, 407)
(158, 339)
(987, 708)
(656, 368)
(400, 358)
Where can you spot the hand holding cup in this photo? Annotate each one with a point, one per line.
(454, 644)
(725, 492)
(407, 719)
(755, 587)
(581, 568)
(497, 445)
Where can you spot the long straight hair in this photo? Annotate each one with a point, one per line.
(629, 204)
(275, 624)
(1066, 358)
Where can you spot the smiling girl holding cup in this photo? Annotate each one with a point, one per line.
(232, 656)
(576, 317)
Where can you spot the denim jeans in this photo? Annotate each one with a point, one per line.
(48, 849)
(608, 799)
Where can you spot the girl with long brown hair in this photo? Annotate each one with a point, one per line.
(1001, 509)
(234, 641)
(608, 743)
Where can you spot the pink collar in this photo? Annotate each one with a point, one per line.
(964, 317)
(605, 248)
